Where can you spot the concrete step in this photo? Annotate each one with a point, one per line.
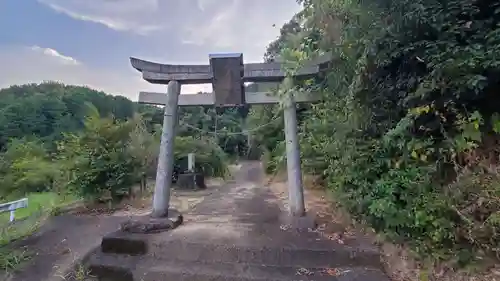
(119, 242)
(340, 256)
(240, 240)
(224, 230)
(123, 268)
(255, 273)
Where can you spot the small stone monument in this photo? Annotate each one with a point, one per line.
(191, 179)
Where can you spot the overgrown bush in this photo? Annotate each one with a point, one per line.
(144, 146)
(209, 157)
(109, 156)
(25, 167)
(98, 159)
(407, 134)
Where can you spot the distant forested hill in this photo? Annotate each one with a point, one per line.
(47, 110)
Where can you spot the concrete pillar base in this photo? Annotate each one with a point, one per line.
(153, 224)
(300, 223)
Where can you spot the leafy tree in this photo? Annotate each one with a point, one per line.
(210, 158)
(26, 167)
(99, 160)
(409, 119)
(48, 110)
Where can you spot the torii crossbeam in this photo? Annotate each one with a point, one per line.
(227, 74)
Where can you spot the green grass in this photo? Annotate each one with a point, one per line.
(12, 259)
(40, 207)
(43, 201)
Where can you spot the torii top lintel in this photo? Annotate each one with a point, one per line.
(158, 73)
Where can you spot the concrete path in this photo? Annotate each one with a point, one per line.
(61, 242)
(236, 234)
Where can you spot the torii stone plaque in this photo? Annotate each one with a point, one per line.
(227, 73)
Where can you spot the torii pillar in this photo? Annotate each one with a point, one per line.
(227, 74)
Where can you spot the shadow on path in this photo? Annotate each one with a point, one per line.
(235, 234)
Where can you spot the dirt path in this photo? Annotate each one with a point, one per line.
(242, 213)
(237, 233)
(65, 239)
(60, 242)
(257, 206)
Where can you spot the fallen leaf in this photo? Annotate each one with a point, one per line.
(284, 227)
(332, 271)
(304, 271)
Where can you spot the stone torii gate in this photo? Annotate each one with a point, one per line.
(227, 74)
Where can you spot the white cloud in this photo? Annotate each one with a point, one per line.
(203, 4)
(208, 26)
(214, 25)
(210, 31)
(53, 53)
(38, 64)
(239, 25)
(121, 15)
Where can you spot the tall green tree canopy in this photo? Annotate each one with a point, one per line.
(48, 110)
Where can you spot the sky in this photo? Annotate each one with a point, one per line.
(89, 42)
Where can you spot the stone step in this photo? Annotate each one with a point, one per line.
(120, 242)
(340, 256)
(123, 268)
(256, 273)
(280, 256)
(224, 230)
(193, 242)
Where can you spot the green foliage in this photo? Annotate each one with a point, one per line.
(48, 110)
(74, 139)
(210, 158)
(143, 146)
(25, 167)
(99, 160)
(408, 131)
(39, 202)
(109, 156)
(225, 127)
